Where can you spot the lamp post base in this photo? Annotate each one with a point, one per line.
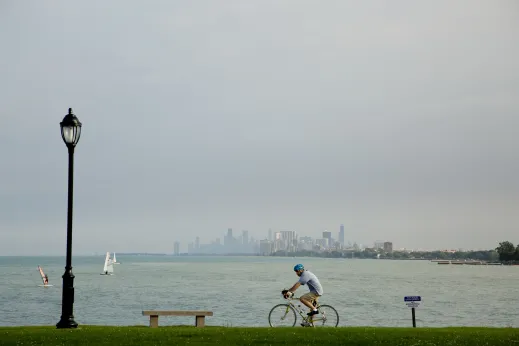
(66, 323)
(67, 305)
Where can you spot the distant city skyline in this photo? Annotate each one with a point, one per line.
(194, 246)
(267, 236)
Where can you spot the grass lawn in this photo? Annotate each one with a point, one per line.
(222, 336)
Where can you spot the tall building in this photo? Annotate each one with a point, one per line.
(197, 243)
(265, 247)
(289, 239)
(341, 235)
(305, 243)
(176, 248)
(378, 244)
(278, 242)
(388, 247)
(245, 237)
(321, 242)
(328, 235)
(228, 239)
(270, 234)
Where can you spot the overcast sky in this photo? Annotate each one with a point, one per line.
(397, 119)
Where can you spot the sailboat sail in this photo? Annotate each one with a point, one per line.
(44, 277)
(115, 260)
(108, 268)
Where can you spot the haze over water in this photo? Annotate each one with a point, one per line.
(242, 290)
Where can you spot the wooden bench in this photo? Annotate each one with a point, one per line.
(154, 316)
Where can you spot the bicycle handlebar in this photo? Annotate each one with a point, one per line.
(290, 298)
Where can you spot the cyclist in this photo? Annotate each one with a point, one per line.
(316, 290)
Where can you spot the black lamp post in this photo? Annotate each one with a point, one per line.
(70, 132)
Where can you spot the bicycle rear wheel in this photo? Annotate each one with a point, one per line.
(282, 315)
(327, 317)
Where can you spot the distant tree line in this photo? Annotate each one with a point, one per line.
(484, 255)
(508, 253)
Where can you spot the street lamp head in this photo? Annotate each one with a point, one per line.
(70, 129)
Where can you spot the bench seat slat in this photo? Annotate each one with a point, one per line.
(176, 313)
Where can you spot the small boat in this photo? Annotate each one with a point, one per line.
(44, 278)
(115, 260)
(108, 268)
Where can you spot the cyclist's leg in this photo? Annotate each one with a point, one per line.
(308, 299)
(315, 303)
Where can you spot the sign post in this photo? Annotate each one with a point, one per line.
(413, 302)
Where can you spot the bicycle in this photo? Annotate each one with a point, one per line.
(285, 315)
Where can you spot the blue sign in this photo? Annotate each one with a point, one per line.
(412, 299)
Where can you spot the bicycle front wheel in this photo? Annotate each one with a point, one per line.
(282, 315)
(327, 317)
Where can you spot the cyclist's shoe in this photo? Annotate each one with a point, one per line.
(305, 324)
(313, 312)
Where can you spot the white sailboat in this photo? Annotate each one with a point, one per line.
(44, 278)
(115, 260)
(108, 268)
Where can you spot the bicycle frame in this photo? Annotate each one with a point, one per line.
(300, 310)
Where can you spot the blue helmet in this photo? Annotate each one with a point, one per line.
(298, 267)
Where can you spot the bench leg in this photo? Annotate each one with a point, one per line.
(154, 321)
(200, 321)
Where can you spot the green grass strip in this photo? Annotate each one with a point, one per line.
(222, 336)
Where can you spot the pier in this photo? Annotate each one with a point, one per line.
(467, 262)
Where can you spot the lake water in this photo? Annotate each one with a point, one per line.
(242, 290)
